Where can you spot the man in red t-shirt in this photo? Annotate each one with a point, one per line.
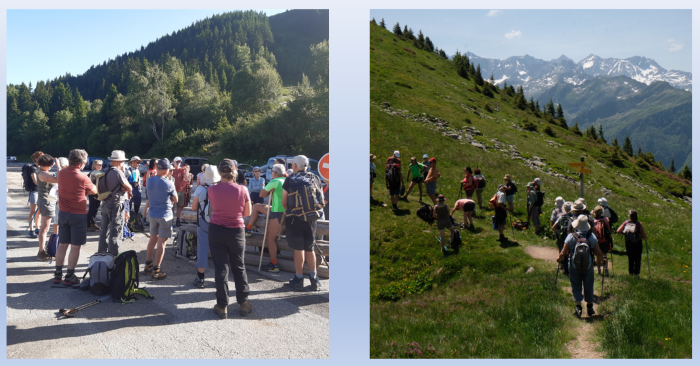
(180, 174)
(73, 189)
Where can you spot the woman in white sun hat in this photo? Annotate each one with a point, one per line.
(201, 205)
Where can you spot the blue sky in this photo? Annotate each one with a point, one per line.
(662, 35)
(44, 44)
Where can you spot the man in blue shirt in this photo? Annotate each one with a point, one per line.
(161, 197)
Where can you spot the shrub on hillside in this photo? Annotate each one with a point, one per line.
(488, 106)
(530, 126)
(548, 130)
(409, 50)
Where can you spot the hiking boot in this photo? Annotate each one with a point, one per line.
(157, 274)
(70, 281)
(315, 284)
(273, 267)
(248, 233)
(42, 256)
(502, 238)
(177, 223)
(36, 231)
(148, 268)
(199, 282)
(57, 276)
(297, 283)
(32, 235)
(246, 308)
(589, 309)
(222, 312)
(579, 311)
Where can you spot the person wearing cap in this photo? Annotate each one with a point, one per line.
(73, 187)
(533, 212)
(134, 177)
(581, 284)
(441, 212)
(114, 212)
(558, 210)
(301, 230)
(468, 206)
(608, 211)
(372, 174)
(275, 190)
(93, 201)
(431, 180)
(416, 177)
(161, 197)
(479, 191)
(202, 206)
(559, 227)
(510, 191)
(426, 166)
(230, 203)
(179, 173)
(501, 211)
(396, 186)
(255, 185)
(633, 247)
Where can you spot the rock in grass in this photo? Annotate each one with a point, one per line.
(530, 270)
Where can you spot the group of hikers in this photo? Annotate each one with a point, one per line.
(219, 201)
(581, 234)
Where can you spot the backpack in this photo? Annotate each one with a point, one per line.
(185, 243)
(481, 181)
(103, 192)
(392, 171)
(99, 268)
(205, 206)
(493, 202)
(124, 280)
(581, 259)
(456, 241)
(27, 181)
(600, 231)
(540, 199)
(631, 232)
(564, 221)
(135, 224)
(515, 188)
(305, 196)
(425, 212)
(51, 246)
(613, 215)
(465, 182)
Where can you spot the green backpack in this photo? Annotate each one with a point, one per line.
(125, 278)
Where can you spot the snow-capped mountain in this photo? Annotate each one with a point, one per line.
(537, 75)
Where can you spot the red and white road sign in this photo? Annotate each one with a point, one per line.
(323, 166)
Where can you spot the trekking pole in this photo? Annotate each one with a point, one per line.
(648, 265)
(555, 280)
(612, 262)
(29, 227)
(71, 312)
(267, 220)
(602, 285)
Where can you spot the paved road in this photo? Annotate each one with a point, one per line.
(178, 323)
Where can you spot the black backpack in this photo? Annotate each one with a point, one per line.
(27, 181)
(456, 241)
(515, 188)
(392, 171)
(613, 216)
(305, 196)
(581, 259)
(135, 224)
(124, 279)
(481, 181)
(540, 199)
(631, 232)
(425, 212)
(564, 223)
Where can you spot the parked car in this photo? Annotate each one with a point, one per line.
(195, 164)
(91, 159)
(12, 158)
(267, 170)
(143, 166)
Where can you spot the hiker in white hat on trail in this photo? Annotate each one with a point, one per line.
(113, 207)
(580, 246)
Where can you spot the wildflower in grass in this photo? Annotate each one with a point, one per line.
(393, 344)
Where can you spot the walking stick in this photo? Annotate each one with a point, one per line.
(648, 265)
(267, 220)
(612, 262)
(555, 280)
(71, 312)
(602, 285)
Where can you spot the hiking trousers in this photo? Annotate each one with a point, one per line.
(227, 247)
(92, 210)
(582, 283)
(634, 256)
(112, 228)
(135, 202)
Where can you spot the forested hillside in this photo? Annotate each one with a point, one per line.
(219, 86)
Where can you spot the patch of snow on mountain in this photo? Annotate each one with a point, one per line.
(588, 64)
(522, 72)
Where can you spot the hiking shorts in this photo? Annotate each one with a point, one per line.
(469, 192)
(395, 189)
(510, 198)
(33, 197)
(469, 207)
(276, 216)
(417, 180)
(181, 199)
(72, 228)
(161, 227)
(301, 233)
(430, 187)
(47, 208)
(444, 224)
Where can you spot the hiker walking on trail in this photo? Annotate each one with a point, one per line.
(580, 246)
(415, 176)
(511, 190)
(372, 174)
(29, 172)
(303, 200)
(558, 210)
(73, 187)
(431, 180)
(533, 211)
(394, 179)
(230, 203)
(579, 208)
(161, 196)
(93, 201)
(467, 206)
(560, 227)
(202, 206)
(633, 232)
(608, 211)
(501, 211)
(601, 229)
(480, 186)
(114, 213)
(276, 214)
(441, 212)
(46, 204)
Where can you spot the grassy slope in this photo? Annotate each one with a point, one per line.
(481, 303)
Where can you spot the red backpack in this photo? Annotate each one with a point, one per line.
(465, 182)
(600, 230)
(493, 202)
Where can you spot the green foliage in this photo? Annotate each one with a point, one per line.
(382, 24)
(549, 131)
(575, 130)
(686, 173)
(487, 90)
(672, 167)
(529, 126)
(627, 147)
(477, 76)
(487, 107)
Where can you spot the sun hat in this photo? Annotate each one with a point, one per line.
(163, 164)
(171, 167)
(581, 223)
(567, 207)
(433, 160)
(537, 181)
(301, 161)
(396, 153)
(118, 155)
(227, 166)
(559, 201)
(211, 175)
(177, 158)
(441, 198)
(598, 211)
(578, 206)
(507, 177)
(135, 158)
(603, 202)
(425, 156)
(530, 185)
(501, 186)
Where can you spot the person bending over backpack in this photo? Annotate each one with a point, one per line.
(394, 179)
(415, 176)
(634, 233)
(468, 206)
(441, 212)
(580, 246)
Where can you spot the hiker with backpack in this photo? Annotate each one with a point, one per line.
(633, 232)
(534, 206)
(394, 179)
(499, 204)
(558, 210)
(601, 229)
(181, 183)
(579, 208)
(116, 187)
(133, 176)
(303, 200)
(230, 203)
(276, 214)
(29, 173)
(608, 211)
(94, 203)
(431, 180)
(468, 183)
(560, 227)
(46, 204)
(73, 187)
(441, 212)
(468, 206)
(202, 206)
(372, 175)
(161, 196)
(579, 247)
(426, 166)
(480, 185)
(415, 176)
(151, 171)
(511, 190)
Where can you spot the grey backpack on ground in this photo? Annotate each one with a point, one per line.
(99, 268)
(186, 244)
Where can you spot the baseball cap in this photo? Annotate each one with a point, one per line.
(433, 160)
(177, 158)
(396, 153)
(301, 161)
(162, 164)
(227, 166)
(425, 156)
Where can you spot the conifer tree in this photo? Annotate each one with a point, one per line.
(531, 105)
(672, 168)
(443, 54)
(520, 101)
(397, 29)
(627, 146)
(686, 173)
(549, 109)
(560, 111)
(463, 71)
(429, 44)
(505, 84)
(421, 39)
(477, 76)
(537, 105)
(639, 152)
(374, 21)
(382, 24)
(615, 144)
(600, 134)
(576, 130)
